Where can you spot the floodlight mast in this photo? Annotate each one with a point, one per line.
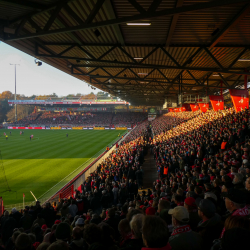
(15, 64)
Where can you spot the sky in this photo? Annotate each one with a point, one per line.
(34, 80)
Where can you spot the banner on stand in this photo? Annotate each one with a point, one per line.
(204, 107)
(240, 99)
(186, 106)
(217, 102)
(194, 107)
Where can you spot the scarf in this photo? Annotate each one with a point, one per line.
(239, 212)
(127, 237)
(181, 229)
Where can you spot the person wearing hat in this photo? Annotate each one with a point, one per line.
(183, 237)
(210, 225)
(150, 211)
(235, 202)
(191, 207)
(80, 223)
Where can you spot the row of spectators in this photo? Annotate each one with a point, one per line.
(200, 200)
(128, 119)
(104, 119)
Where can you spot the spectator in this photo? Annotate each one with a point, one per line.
(238, 181)
(210, 226)
(125, 232)
(183, 237)
(23, 242)
(40, 221)
(63, 232)
(77, 243)
(26, 220)
(163, 204)
(155, 233)
(135, 242)
(191, 207)
(235, 238)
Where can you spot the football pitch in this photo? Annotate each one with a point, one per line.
(40, 163)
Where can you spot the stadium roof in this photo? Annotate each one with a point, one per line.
(193, 46)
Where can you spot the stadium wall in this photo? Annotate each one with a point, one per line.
(69, 127)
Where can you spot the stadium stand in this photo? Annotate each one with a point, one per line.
(88, 119)
(200, 200)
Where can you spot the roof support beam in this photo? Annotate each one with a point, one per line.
(224, 80)
(106, 53)
(52, 18)
(214, 59)
(109, 9)
(127, 54)
(34, 25)
(73, 14)
(163, 75)
(66, 50)
(173, 23)
(94, 11)
(154, 5)
(148, 45)
(137, 6)
(149, 54)
(165, 12)
(176, 63)
(187, 61)
(25, 4)
(237, 58)
(242, 13)
(150, 81)
(20, 26)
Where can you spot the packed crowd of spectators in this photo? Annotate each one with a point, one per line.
(94, 119)
(128, 119)
(88, 119)
(200, 200)
(28, 119)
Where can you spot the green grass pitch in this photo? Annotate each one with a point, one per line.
(41, 163)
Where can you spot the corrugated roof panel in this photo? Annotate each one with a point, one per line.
(10, 12)
(226, 55)
(199, 25)
(203, 60)
(239, 34)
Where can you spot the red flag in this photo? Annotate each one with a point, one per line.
(217, 102)
(23, 195)
(240, 99)
(204, 107)
(194, 107)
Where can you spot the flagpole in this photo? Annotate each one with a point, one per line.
(23, 201)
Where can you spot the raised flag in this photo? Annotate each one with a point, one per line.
(240, 98)
(204, 107)
(194, 107)
(217, 102)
